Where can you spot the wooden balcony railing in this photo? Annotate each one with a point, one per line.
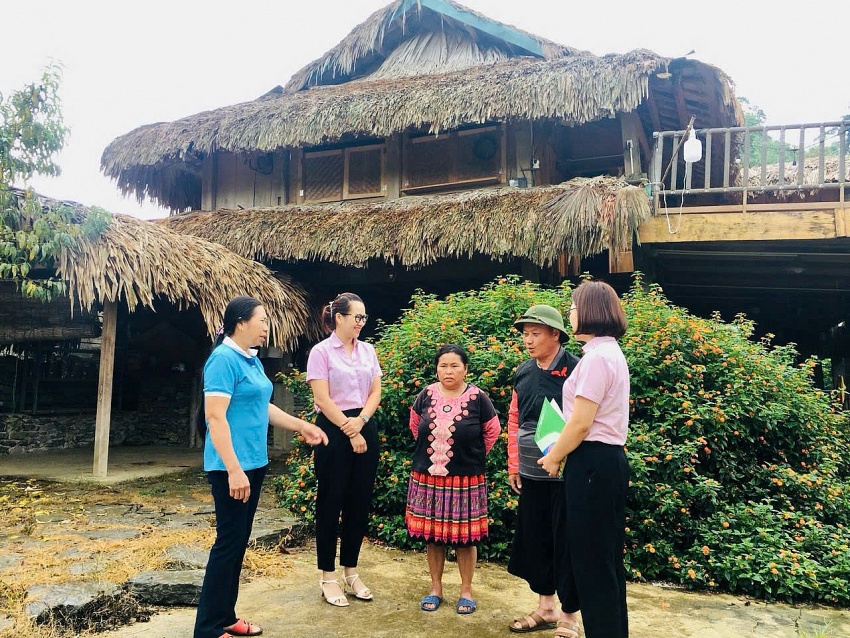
(784, 164)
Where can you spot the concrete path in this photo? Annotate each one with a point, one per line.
(291, 607)
(126, 463)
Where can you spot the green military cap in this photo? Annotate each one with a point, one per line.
(543, 315)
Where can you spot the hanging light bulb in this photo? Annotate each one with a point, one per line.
(693, 148)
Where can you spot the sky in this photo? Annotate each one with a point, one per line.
(128, 63)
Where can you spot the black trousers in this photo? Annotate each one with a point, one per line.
(233, 522)
(344, 494)
(538, 552)
(596, 478)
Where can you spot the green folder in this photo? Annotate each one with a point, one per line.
(549, 425)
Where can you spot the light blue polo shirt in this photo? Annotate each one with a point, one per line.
(231, 372)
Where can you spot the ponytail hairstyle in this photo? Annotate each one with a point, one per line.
(238, 310)
(341, 304)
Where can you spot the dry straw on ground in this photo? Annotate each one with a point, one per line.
(48, 523)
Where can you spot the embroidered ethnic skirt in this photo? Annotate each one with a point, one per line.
(449, 510)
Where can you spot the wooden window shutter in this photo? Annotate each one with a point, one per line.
(323, 173)
(467, 158)
(364, 172)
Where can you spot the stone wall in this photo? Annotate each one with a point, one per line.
(160, 417)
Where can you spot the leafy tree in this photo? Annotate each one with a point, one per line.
(832, 133)
(755, 116)
(32, 132)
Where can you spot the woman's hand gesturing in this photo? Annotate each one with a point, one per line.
(313, 434)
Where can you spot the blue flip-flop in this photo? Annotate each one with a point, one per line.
(465, 602)
(431, 599)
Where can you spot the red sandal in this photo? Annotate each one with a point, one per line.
(243, 628)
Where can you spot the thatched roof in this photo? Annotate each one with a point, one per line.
(811, 173)
(152, 160)
(387, 35)
(136, 262)
(580, 217)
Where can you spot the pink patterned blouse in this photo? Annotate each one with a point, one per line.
(453, 434)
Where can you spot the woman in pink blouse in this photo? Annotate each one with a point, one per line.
(596, 473)
(455, 425)
(345, 378)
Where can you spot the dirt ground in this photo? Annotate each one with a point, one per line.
(291, 606)
(49, 529)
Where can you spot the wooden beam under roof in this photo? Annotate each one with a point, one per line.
(746, 226)
(681, 105)
(653, 111)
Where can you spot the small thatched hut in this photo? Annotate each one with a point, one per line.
(136, 276)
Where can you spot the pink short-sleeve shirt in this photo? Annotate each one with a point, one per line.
(602, 376)
(349, 377)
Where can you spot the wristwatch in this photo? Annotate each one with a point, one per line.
(365, 419)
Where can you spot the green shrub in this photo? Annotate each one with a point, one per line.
(739, 465)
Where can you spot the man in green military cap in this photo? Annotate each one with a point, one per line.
(535, 555)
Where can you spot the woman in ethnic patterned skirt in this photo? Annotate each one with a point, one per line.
(455, 425)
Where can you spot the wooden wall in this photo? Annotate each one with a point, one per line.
(247, 181)
(28, 320)
(261, 180)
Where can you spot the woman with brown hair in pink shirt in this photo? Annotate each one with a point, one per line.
(596, 473)
(345, 377)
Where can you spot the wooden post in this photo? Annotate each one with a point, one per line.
(634, 145)
(25, 370)
(104, 389)
(194, 405)
(620, 260)
(37, 381)
(392, 167)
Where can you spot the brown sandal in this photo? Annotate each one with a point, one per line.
(566, 629)
(530, 622)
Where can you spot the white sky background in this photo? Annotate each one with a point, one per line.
(129, 63)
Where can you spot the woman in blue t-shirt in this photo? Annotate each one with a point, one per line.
(235, 422)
